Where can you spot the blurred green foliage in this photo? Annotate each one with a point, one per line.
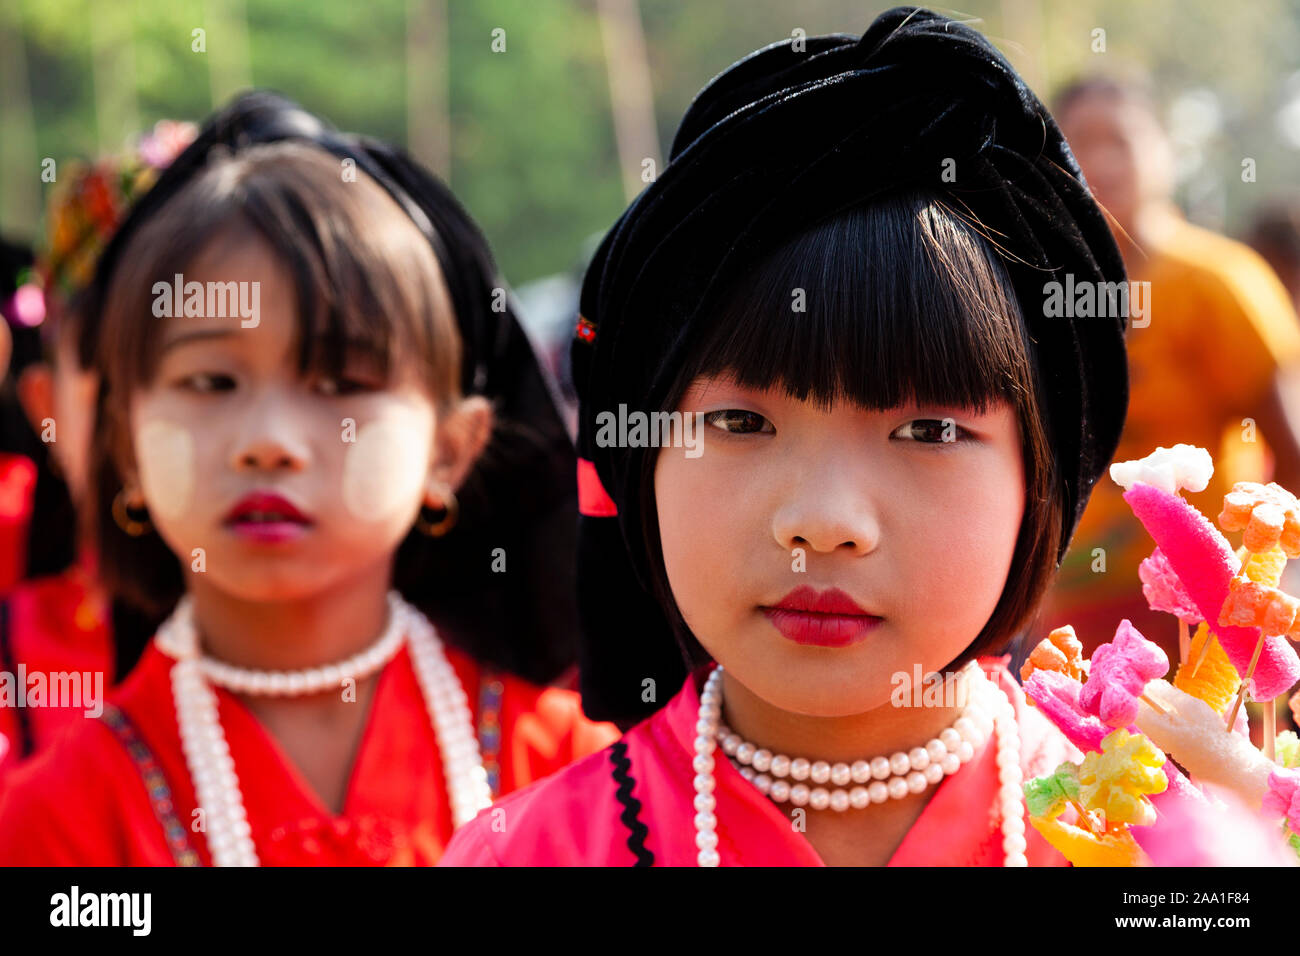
(533, 154)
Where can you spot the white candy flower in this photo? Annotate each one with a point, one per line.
(1169, 469)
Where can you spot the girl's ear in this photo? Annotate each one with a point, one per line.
(119, 449)
(462, 435)
(131, 486)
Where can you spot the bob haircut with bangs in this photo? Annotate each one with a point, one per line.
(906, 300)
(366, 281)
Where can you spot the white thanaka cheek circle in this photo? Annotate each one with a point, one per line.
(166, 467)
(384, 470)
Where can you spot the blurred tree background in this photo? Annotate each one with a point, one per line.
(512, 100)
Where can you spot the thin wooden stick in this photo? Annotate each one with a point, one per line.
(1270, 728)
(1200, 657)
(1184, 641)
(1250, 672)
(1155, 705)
(1236, 706)
(1085, 818)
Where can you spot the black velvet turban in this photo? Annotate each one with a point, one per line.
(522, 495)
(781, 140)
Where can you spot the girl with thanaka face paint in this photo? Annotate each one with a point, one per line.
(296, 494)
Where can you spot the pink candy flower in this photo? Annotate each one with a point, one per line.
(1164, 591)
(1283, 796)
(1119, 674)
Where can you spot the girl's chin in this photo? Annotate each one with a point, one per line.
(831, 686)
(817, 693)
(264, 591)
(266, 580)
(286, 573)
(813, 705)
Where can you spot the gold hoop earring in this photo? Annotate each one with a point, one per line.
(437, 528)
(135, 527)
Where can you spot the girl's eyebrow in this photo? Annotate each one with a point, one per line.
(720, 381)
(188, 337)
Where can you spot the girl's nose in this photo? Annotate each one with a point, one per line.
(827, 517)
(269, 455)
(271, 441)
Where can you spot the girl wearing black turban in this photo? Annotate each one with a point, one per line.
(831, 441)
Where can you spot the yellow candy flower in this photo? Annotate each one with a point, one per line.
(1117, 780)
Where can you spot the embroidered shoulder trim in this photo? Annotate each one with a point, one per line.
(155, 784)
(490, 692)
(637, 831)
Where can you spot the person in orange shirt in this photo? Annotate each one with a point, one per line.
(1208, 360)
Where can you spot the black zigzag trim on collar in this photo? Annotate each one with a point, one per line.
(637, 831)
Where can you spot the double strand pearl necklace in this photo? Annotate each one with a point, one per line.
(207, 755)
(887, 778)
(911, 771)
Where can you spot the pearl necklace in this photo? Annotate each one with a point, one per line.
(912, 771)
(894, 777)
(207, 755)
(312, 680)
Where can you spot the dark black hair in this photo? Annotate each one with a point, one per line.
(905, 299)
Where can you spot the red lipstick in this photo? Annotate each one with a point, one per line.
(267, 517)
(821, 618)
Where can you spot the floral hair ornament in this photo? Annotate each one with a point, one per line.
(90, 200)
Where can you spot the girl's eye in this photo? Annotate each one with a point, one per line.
(739, 422)
(342, 386)
(933, 431)
(205, 382)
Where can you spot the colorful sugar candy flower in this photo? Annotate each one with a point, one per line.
(1057, 696)
(1060, 651)
(1048, 795)
(1257, 605)
(1118, 672)
(1085, 848)
(1170, 469)
(1267, 515)
(1163, 590)
(1263, 567)
(1192, 733)
(1283, 796)
(1205, 563)
(1117, 780)
(1215, 680)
